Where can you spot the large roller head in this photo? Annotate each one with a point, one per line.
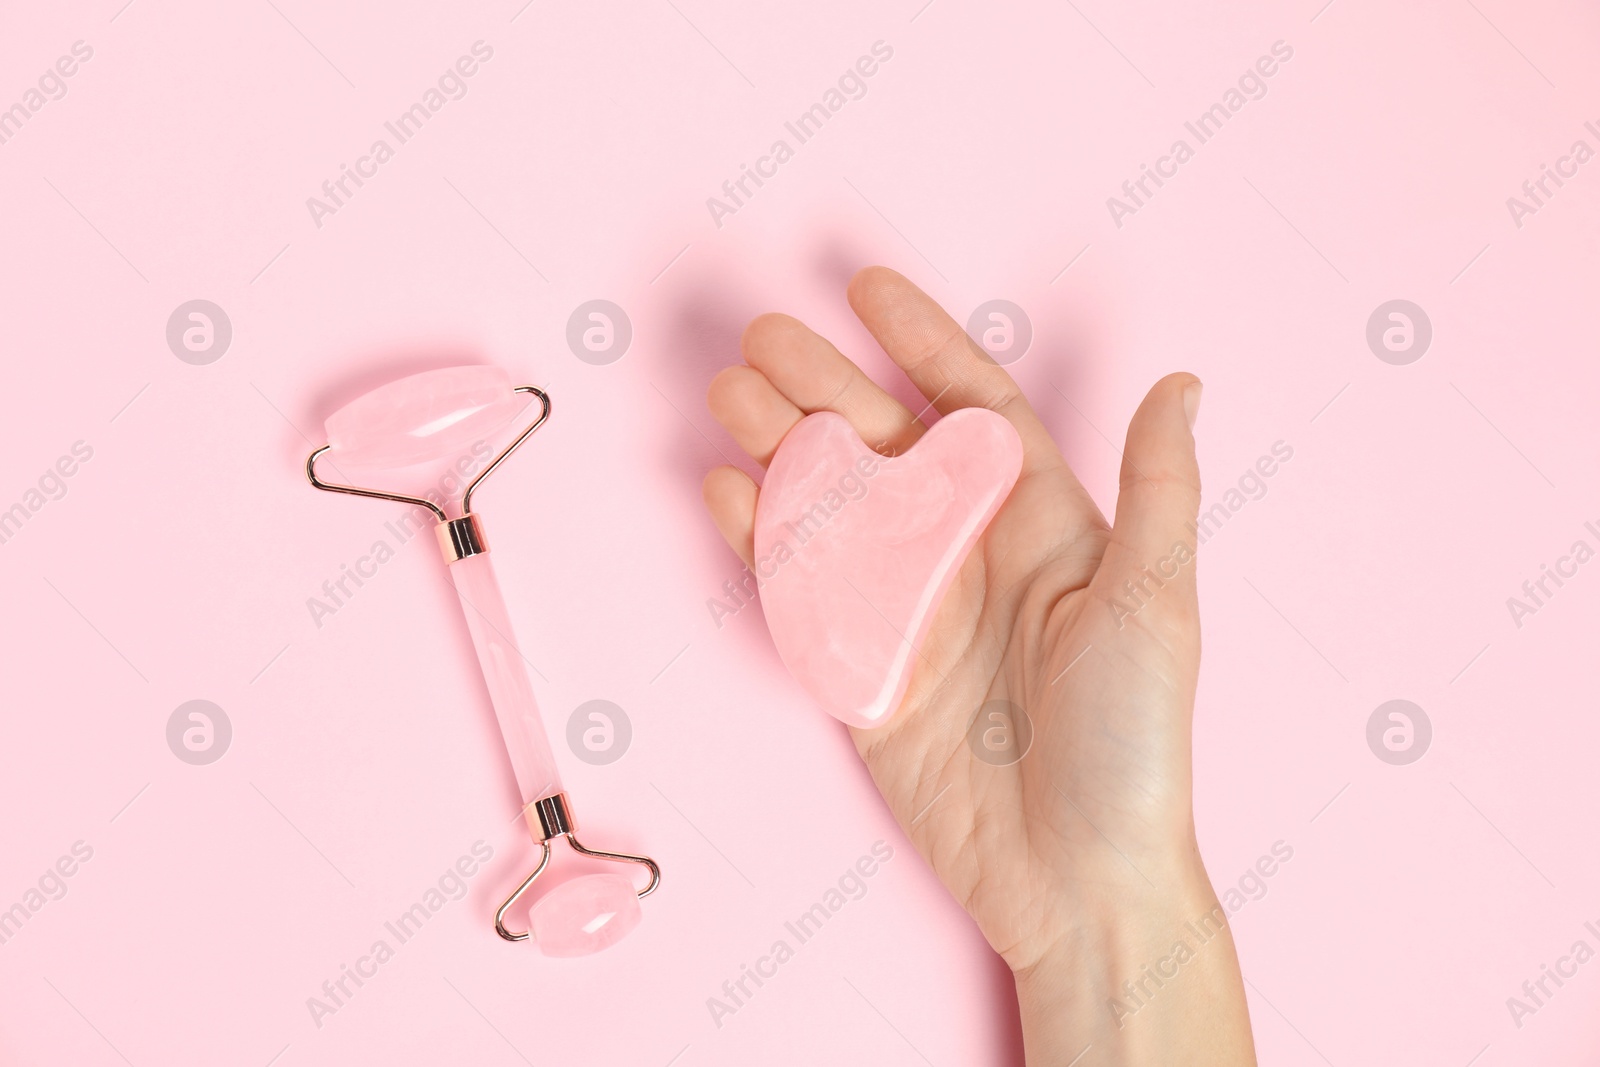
(424, 417)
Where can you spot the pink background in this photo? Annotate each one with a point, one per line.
(364, 759)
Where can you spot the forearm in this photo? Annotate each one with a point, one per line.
(1143, 978)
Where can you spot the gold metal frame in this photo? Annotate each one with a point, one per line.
(466, 498)
(555, 820)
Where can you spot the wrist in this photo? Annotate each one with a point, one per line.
(1138, 975)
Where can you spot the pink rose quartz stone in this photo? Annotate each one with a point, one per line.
(855, 550)
(424, 417)
(584, 915)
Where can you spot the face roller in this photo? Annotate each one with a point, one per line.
(431, 416)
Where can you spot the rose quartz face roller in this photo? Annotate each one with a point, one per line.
(431, 416)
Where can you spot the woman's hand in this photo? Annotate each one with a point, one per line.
(1078, 862)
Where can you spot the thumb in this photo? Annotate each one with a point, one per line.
(1148, 569)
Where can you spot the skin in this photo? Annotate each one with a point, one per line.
(1079, 861)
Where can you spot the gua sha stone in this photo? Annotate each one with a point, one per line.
(584, 915)
(855, 550)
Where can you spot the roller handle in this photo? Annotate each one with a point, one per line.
(506, 676)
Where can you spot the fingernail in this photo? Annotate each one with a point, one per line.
(1191, 401)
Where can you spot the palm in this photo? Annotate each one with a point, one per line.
(1093, 782)
(1101, 798)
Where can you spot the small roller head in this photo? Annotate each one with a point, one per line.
(585, 915)
(424, 417)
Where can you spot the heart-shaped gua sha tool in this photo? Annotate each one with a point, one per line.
(855, 550)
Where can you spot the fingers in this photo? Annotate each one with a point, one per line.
(730, 497)
(815, 376)
(752, 410)
(939, 358)
(1151, 556)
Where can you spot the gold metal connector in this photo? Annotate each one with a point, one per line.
(554, 817)
(460, 538)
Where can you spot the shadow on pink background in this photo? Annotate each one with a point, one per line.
(179, 559)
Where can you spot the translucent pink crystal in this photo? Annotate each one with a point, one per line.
(584, 915)
(855, 550)
(426, 416)
(505, 673)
